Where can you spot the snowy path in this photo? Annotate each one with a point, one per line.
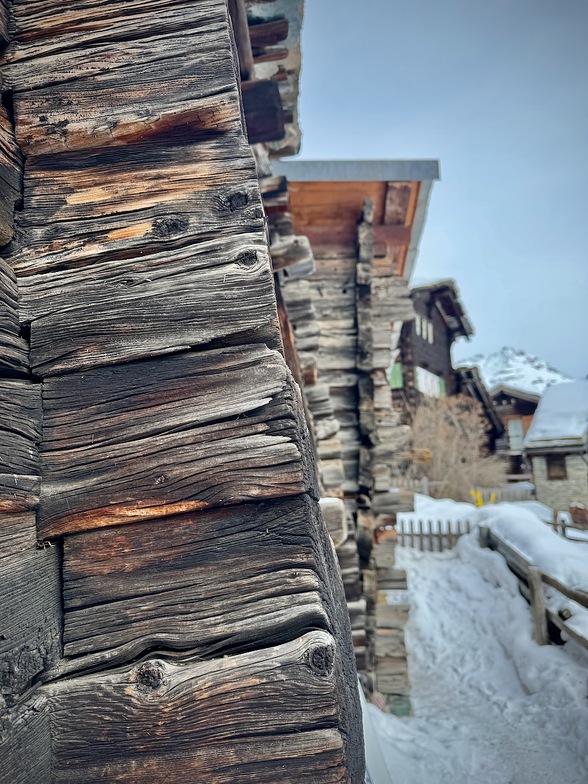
(490, 705)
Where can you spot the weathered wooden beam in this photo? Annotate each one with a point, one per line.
(263, 109)
(25, 743)
(216, 721)
(290, 251)
(396, 205)
(270, 54)
(198, 586)
(10, 174)
(264, 34)
(30, 641)
(20, 432)
(238, 13)
(195, 295)
(167, 436)
(13, 348)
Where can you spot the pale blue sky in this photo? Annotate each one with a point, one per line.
(498, 92)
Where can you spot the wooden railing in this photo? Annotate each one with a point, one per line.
(531, 583)
(430, 535)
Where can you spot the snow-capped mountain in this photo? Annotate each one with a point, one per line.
(515, 368)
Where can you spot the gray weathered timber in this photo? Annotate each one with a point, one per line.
(215, 720)
(215, 582)
(14, 352)
(30, 628)
(25, 743)
(20, 432)
(10, 175)
(178, 488)
(166, 436)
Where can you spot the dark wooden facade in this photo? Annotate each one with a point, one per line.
(172, 606)
(424, 365)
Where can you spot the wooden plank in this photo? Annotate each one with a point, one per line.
(167, 436)
(567, 629)
(263, 109)
(4, 19)
(30, 641)
(216, 582)
(25, 744)
(134, 200)
(10, 174)
(580, 597)
(128, 105)
(221, 292)
(58, 43)
(218, 721)
(538, 616)
(13, 348)
(268, 33)
(20, 432)
(238, 14)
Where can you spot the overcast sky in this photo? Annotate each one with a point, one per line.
(498, 92)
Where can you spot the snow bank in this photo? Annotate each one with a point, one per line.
(490, 704)
(563, 559)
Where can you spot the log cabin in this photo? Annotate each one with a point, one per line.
(172, 606)
(364, 220)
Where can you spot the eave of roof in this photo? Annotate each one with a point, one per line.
(424, 172)
(448, 285)
(502, 389)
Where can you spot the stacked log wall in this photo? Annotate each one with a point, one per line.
(167, 556)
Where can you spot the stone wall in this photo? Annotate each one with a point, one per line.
(560, 493)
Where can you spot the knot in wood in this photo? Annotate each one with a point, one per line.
(247, 259)
(149, 676)
(237, 201)
(321, 659)
(168, 227)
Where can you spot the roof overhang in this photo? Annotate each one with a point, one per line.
(520, 394)
(400, 190)
(445, 294)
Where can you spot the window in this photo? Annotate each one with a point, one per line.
(396, 380)
(556, 467)
(428, 383)
(423, 328)
(515, 434)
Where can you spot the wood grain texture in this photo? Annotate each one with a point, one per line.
(30, 629)
(243, 718)
(13, 348)
(20, 433)
(166, 436)
(214, 582)
(25, 743)
(55, 43)
(10, 174)
(219, 292)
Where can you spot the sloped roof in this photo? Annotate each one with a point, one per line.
(446, 295)
(561, 419)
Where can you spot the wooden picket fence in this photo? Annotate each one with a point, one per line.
(532, 582)
(430, 535)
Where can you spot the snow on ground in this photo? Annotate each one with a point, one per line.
(490, 705)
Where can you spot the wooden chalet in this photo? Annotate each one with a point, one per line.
(364, 220)
(172, 607)
(516, 408)
(423, 366)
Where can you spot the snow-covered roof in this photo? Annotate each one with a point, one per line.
(561, 419)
